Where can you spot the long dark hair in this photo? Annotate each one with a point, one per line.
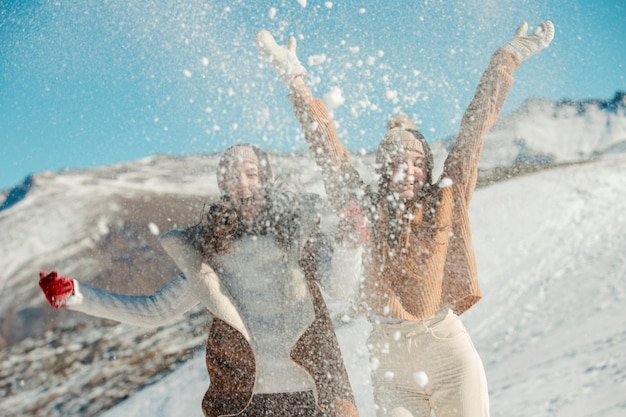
(384, 179)
(390, 214)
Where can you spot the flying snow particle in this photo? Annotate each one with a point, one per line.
(328, 4)
(401, 412)
(389, 375)
(398, 177)
(421, 378)
(205, 61)
(334, 98)
(445, 182)
(316, 59)
(272, 12)
(187, 73)
(392, 95)
(302, 3)
(103, 226)
(154, 229)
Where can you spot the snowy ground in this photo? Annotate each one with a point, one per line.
(550, 329)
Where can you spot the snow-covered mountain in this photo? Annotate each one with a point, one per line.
(584, 129)
(550, 247)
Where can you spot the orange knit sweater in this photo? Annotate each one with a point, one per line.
(431, 264)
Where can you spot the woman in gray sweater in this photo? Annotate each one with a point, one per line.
(254, 263)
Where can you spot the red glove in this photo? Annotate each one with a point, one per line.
(57, 289)
(352, 229)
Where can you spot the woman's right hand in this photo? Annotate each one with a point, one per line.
(56, 289)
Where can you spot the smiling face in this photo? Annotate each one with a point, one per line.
(408, 173)
(239, 179)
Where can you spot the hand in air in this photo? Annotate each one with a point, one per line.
(56, 289)
(524, 46)
(282, 58)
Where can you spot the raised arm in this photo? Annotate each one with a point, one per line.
(340, 179)
(160, 308)
(461, 165)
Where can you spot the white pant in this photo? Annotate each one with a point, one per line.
(419, 366)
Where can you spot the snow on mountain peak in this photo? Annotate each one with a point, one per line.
(543, 131)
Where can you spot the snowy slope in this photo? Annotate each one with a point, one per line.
(552, 260)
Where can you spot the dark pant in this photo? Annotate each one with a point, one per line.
(285, 404)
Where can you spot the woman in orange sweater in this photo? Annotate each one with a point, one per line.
(419, 266)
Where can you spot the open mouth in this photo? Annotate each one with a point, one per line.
(248, 207)
(246, 204)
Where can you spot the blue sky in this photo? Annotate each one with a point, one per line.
(85, 83)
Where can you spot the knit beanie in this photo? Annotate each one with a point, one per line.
(245, 152)
(402, 136)
(395, 143)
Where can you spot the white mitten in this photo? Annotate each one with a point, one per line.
(525, 46)
(282, 58)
